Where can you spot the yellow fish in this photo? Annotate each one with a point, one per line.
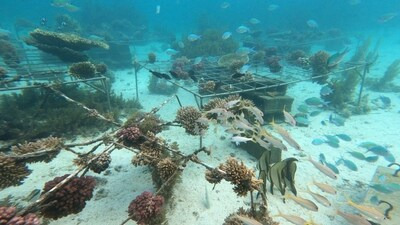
(368, 211)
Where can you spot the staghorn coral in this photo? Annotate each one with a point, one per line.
(130, 136)
(8, 216)
(178, 67)
(240, 176)
(319, 65)
(52, 145)
(12, 173)
(188, 118)
(151, 151)
(165, 168)
(145, 207)
(97, 166)
(70, 198)
(82, 70)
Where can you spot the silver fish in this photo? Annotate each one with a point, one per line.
(240, 139)
(324, 169)
(319, 198)
(303, 202)
(353, 219)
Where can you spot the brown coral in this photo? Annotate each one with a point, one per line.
(165, 168)
(145, 207)
(188, 118)
(258, 216)
(214, 176)
(12, 173)
(51, 146)
(3, 72)
(8, 217)
(9, 54)
(131, 136)
(70, 198)
(151, 57)
(98, 165)
(240, 176)
(101, 68)
(207, 86)
(273, 64)
(151, 151)
(319, 65)
(83, 70)
(146, 122)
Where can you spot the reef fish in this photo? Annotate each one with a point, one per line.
(387, 17)
(381, 188)
(326, 90)
(240, 139)
(225, 5)
(337, 120)
(367, 144)
(336, 58)
(357, 155)
(244, 69)
(226, 35)
(389, 157)
(308, 204)
(349, 164)
(254, 21)
(314, 101)
(317, 141)
(193, 37)
(160, 75)
(273, 7)
(367, 211)
(247, 220)
(319, 198)
(344, 137)
(324, 169)
(64, 4)
(286, 136)
(242, 29)
(289, 118)
(303, 108)
(292, 218)
(373, 158)
(329, 165)
(171, 51)
(378, 150)
(312, 24)
(325, 187)
(353, 218)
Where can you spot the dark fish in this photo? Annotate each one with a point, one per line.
(303, 108)
(174, 75)
(322, 159)
(367, 144)
(337, 120)
(336, 58)
(160, 75)
(326, 90)
(357, 155)
(314, 101)
(385, 100)
(332, 138)
(344, 137)
(378, 150)
(237, 75)
(347, 163)
(315, 113)
(372, 158)
(389, 157)
(192, 75)
(381, 188)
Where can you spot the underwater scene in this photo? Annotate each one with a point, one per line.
(200, 112)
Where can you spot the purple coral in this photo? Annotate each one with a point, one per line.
(145, 207)
(8, 216)
(130, 135)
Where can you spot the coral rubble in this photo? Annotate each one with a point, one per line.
(12, 172)
(146, 207)
(70, 198)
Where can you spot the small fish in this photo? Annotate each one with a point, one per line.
(275, 142)
(242, 29)
(324, 169)
(344, 137)
(243, 51)
(312, 24)
(368, 211)
(286, 136)
(247, 220)
(302, 121)
(303, 202)
(254, 21)
(367, 144)
(291, 218)
(315, 113)
(237, 75)
(381, 188)
(372, 158)
(319, 198)
(193, 37)
(303, 108)
(349, 164)
(262, 143)
(226, 35)
(332, 138)
(174, 75)
(353, 218)
(378, 150)
(192, 75)
(289, 118)
(387, 17)
(336, 58)
(337, 120)
(160, 75)
(171, 52)
(314, 101)
(389, 157)
(272, 7)
(258, 114)
(325, 187)
(240, 139)
(317, 141)
(357, 155)
(181, 44)
(197, 60)
(225, 5)
(326, 90)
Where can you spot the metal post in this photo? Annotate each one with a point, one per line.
(107, 90)
(201, 141)
(362, 83)
(136, 81)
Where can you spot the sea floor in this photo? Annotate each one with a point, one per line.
(124, 182)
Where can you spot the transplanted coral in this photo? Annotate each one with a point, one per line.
(273, 64)
(70, 198)
(319, 65)
(149, 122)
(188, 118)
(233, 60)
(161, 86)
(8, 216)
(82, 70)
(258, 216)
(145, 208)
(166, 168)
(130, 136)
(52, 145)
(12, 172)
(98, 165)
(151, 151)
(210, 43)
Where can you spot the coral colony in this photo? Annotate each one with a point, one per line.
(228, 105)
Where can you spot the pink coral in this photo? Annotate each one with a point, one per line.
(145, 207)
(8, 216)
(130, 134)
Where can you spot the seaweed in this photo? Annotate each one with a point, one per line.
(37, 113)
(210, 43)
(9, 54)
(385, 82)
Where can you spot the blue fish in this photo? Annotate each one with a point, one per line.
(317, 141)
(378, 150)
(381, 188)
(344, 137)
(347, 163)
(373, 158)
(322, 159)
(389, 157)
(337, 120)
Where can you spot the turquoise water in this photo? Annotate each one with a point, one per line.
(317, 101)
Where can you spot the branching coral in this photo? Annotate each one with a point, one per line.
(70, 198)
(82, 70)
(12, 173)
(319, 65)
(273, 64)
(240, 176)
(101, 68)
(188, 118)
(151, 151)
(207, 86)
(233, 59)
(8, 216)
(146, 207)
(178, 67)
(97, 166)
(51, 145)
(214, 176)
(165, 168)
(130, 135)
(151, 57)
(151, 122)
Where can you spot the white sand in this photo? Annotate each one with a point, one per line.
(187, 205)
